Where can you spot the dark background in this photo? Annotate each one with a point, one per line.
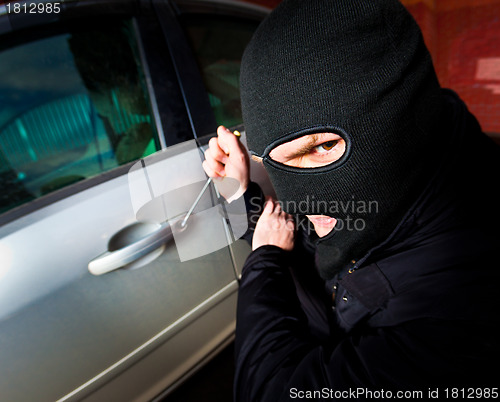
(213, 383)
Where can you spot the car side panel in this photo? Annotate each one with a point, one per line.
(60, 326)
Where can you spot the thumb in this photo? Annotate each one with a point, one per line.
(228, 141)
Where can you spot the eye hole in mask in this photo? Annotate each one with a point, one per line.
(310, 151)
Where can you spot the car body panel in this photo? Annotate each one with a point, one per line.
(98, 319)
(130, 334)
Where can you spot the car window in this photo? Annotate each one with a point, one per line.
(73, 105)
(218, 43)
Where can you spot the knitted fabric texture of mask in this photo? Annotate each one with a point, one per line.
(358, 68)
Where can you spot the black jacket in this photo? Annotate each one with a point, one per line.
(419, 314)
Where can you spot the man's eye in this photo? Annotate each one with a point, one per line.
(326, 146)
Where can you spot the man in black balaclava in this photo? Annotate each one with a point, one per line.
(394, 290)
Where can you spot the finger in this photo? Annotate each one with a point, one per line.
(221, 134)
(268, 207)
(277, 208)
(216, 165)
(270, 202)
(215, 151)
(229, 142)
(211, 172)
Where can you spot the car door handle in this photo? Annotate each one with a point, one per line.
(132, 246)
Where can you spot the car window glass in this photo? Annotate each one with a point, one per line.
(218, 43)
(73, 105)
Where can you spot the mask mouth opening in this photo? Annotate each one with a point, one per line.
(266, 156)
(307, 228)
(327, 237)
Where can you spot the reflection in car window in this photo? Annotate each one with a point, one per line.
(218, 43)
(74, 105)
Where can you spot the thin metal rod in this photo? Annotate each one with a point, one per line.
(184, 221)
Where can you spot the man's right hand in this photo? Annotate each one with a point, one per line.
(227, 157)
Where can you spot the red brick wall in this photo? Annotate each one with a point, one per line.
(464, 39)
(265, 3)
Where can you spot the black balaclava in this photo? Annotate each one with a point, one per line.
(358, 68)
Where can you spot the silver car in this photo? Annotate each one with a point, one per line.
(97, 301)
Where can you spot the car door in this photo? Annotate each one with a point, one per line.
(81, 107)
(217, 33)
